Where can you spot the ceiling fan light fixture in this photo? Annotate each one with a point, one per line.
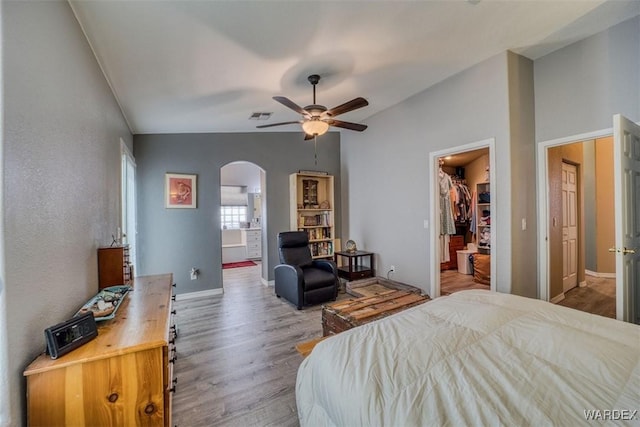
(315, 127)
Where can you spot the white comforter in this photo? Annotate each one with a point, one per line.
(475, 358)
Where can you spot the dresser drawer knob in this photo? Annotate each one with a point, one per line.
(173, 312)
(113, 397)
(150, 409)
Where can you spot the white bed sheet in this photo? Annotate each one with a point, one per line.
(474, 358)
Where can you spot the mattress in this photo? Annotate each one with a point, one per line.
(475, 358)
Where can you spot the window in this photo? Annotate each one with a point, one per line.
(232, 216)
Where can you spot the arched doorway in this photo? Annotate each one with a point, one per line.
(242, 214)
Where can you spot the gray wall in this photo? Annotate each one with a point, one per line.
(61, 170)
(386, 170)
(174, 240)
(524, 267)
(579, 88)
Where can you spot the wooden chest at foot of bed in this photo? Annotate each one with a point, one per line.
(342, 315)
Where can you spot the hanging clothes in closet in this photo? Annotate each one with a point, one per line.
(447, 220)
(461, 200)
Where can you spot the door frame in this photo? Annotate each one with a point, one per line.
(124, 230)
(542, 164)
(434, 217)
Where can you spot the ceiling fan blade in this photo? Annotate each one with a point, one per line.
(289, 103)
(346, 125)
(277, 124)
(307, 137)
(354, 104)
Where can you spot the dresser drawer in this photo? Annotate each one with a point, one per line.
(253, 236)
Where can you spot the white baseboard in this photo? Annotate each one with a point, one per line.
(199, 294)
(582, 284)
(268, 283)
(557, 298)
(603, 275)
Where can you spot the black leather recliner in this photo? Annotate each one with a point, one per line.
(300, 279)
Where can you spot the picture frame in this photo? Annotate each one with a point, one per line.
(180, 191)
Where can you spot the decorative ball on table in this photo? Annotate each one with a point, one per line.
(350, 246)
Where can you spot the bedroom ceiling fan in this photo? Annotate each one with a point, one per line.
(316, 119)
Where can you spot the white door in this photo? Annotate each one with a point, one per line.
(569, 227)
(626, 151)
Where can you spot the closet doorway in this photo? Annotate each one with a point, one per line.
(461, 218)
(465, 221)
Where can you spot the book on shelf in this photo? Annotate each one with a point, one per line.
(321, 220)
(322, 249)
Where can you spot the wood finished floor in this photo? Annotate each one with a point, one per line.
(598, 297)
(451, 281)
(237, 362)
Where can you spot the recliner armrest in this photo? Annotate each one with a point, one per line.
(288, 283)
(327, 265)
(291, 272)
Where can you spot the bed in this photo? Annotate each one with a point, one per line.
(475, 358)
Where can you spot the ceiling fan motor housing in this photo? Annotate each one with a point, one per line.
(315, 109)
(313, 79)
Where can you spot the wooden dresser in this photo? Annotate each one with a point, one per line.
(114, 266)
(456, 243)
(122, 377)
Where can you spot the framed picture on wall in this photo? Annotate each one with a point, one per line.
(180, 191)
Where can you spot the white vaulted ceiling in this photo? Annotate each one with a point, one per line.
(205, 66)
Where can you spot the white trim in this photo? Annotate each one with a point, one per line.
(557, 298)
(602, 275)
(199, 294)
(543, 197)
(268, 283)
(124, 149)
(582, 284)
(434, 218)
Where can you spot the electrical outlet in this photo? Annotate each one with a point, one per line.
(392, 269)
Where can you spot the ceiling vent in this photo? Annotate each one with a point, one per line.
(260, 116)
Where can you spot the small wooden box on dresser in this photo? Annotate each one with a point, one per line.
(114, 267)
(123, 377)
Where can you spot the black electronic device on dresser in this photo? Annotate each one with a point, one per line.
(71, 334)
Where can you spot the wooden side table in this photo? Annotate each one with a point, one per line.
(355, 269)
